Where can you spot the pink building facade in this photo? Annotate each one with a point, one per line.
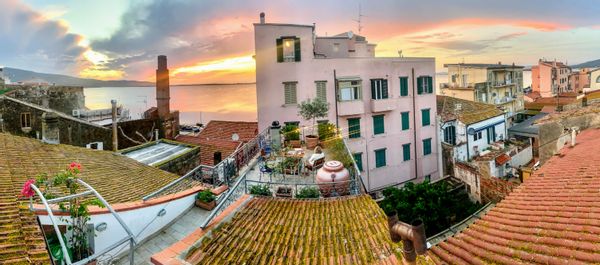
(550, 77)
(385, 107)
(578, 80)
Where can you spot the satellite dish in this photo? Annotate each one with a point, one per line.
(235, 137)
(471, 131)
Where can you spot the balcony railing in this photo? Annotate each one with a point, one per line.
(381, 105)
(352, 107)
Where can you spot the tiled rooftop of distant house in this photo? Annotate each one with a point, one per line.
(553, 218)
(485, 65)
(220, 136)
(118, 178)
(469, 112)
(347, 230)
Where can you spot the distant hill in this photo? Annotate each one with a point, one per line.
(590, 64)
(18, 75)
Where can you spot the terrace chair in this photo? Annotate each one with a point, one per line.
(264, 169)
(316, 165)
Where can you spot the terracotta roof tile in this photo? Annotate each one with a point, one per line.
(116, 177)
(470, 111)
(552, 218)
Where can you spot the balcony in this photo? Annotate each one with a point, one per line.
(504, 100)
(381, 105)
(353, 107)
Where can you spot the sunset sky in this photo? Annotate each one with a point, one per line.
(212, 41)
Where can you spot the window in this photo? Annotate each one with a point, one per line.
(25, 120)
(406, 152)
(405, 121)
(380, 158)
(321, 89)
(450, 135)
(354, 128)
(293, 123)
(288, 49)
(598, 79)
(403, 86)
(358, 160)
(424, 85)
(290, 92)
(349, 90)
(427, 146)
(425, 117)
(378, 124)
(477, 136)
(217, 157)
(379, 89)
(428, 178)
(491, 134)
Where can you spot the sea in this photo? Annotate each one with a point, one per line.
(198, 103)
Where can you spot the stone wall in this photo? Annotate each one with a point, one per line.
(72, 131)
(470, 176)
(61, 98)
(183, 163)
(495, 189)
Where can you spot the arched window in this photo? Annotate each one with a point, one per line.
(598, 79)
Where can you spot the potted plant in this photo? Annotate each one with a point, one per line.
(206, 200)
(311, 110)
(261, 190)
(77, 209)
(326, 131)
(308, 193)
(284, 192)
(291, 134)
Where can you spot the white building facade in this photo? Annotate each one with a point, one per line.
(385, 107)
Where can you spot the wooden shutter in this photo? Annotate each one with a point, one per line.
(354, 128)
(380, 158)
(425, 119)
(405, 121)
(430, 84)
(378, 124)
(427, 146)
(403, 86)
(373, 89)
(290, 93)
(406, 152)
(358, 160)
(322, 90)
(420, 85)
(279, 43)
(297, 49)
(384, 88)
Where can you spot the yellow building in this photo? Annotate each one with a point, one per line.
(594, 80)
(498, 84)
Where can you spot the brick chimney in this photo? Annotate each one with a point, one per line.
(162, 88)
(262, 17)
(50, 129)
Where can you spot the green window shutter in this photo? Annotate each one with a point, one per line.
(279, 43)
(297, 49)
(403, 86)
(372, 89)
(354, 128)
(290, 93)
(430, 84)
(406, 152)
(420, 85)
(321, 90)
(380, 158)
(425, 119)
(384, 88)
(427, 146)
(378, 124)
(405, 121)
(358, 160)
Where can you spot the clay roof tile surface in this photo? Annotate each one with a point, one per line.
(553, 217)
(469, 112)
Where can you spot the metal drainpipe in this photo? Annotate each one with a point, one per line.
(115, 139)
(414, 98)
(335, 85)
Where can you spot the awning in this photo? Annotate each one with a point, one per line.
(349, 78)
(502, 159)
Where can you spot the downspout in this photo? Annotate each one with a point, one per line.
(335, 85)
(414, 98)
(467, 135)
(414, 241)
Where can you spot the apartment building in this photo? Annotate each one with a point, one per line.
(385, 107)
(578, 80)
(497, 84)
(594, 80)
(550, 77)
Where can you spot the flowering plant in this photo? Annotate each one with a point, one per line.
(76, 207)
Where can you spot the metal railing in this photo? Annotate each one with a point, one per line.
(225, 171)
(129, 238)
(357, 173)
(452, 230)
(223, 202)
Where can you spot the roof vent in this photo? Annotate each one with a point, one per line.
(458, 106)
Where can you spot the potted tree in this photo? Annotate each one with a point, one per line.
(311, 110)
(206, 200)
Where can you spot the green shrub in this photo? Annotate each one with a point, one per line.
(326, 131)
(290, 132)
(206, 196)
(337, 150)
(261, 190)
(308, 192)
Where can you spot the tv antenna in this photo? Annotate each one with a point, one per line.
(359, 20)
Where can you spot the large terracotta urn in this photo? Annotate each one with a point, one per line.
(333, 179)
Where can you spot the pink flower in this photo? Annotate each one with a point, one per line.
(27, 191)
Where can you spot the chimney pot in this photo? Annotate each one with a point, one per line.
(262, 17)
(50, 129)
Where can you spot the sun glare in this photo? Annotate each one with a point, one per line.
(236, 64)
